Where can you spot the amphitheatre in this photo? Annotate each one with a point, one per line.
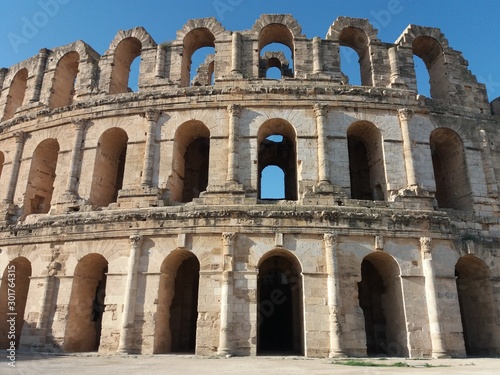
(135, 221)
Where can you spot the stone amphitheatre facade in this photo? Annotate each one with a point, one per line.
(135, 222)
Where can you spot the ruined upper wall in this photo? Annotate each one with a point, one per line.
(66, 75)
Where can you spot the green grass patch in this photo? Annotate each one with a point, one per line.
(357, 362)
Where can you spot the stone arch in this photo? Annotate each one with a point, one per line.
(381, 299)
(450, 170)
(63, 83)
(205, 72)
(190, 161)
(357, 34)
(366, 161)
(477, 307)
(41, 178)
(275, 60)
(196, 34)
(127, 50)
(430, 45)
(279, 304)
(281, 153)
(176, 317)
(109, 167)
(87, 304)
(16, 276)
(17, 91)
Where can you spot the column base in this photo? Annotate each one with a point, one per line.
(440, 355)
(337, 354)
(142, 197)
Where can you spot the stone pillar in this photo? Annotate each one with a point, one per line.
(489, 171)
(436, 331)
(74, 164)
(225, 299)
(40, 70)
(236, 53)
(331, 241)
(124, 345)
(405, 115)
(396, 79)
(152, 116)
(48, 295)
(160, 61)
(16, 161)
(234, 112)
(323, 168)
(317, 56)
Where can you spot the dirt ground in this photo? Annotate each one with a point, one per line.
(27, 364)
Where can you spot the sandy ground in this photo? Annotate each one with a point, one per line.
(187, 365)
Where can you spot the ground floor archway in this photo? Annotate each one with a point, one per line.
(477, 307)
(13, 296)
(279, 301)
(177, 313)
(87, 304)
(381, 299)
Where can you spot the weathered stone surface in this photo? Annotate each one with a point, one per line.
(137, 222)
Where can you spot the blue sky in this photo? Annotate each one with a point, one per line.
(27, 26)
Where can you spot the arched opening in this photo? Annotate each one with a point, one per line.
(355, 39)
(126, 57)
(277, 147)
(272, 182)
(40, 186)
(87, 304)
(194, 40)
(279, 306)
(432, 54)
(17, 91)
(204, 60)
(477, 307)
(276, 39)
(366, 161)
(63, 84)
(13, 297)
(177, 314)
(422, 76)
(190, 161)
(109, 167)
(450, 171)
(380, 298)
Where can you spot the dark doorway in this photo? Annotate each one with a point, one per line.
(184, 308)
(279, 308)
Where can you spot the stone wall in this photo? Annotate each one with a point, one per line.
(136, 222)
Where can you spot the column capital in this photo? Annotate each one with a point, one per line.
(135, 240)
(228, 238)
(405, 114)
(234, 109)
(426, 244)
(320, 109)
(21, 136)
(152, 115)
(331, 239)
(80, 123)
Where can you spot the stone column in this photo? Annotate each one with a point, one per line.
(236, 53)
(152, 116)
(40, 69)
(436, 331)
(405, 115)
(323, 168)
(74, 164)
(396, 80)
(234, 112)
(16, 161)
(317, 56)
(3, 74)
(331, 241)
(160, 61)
(124, 345)
(225, 299)
(48, 295)
(489, 171)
